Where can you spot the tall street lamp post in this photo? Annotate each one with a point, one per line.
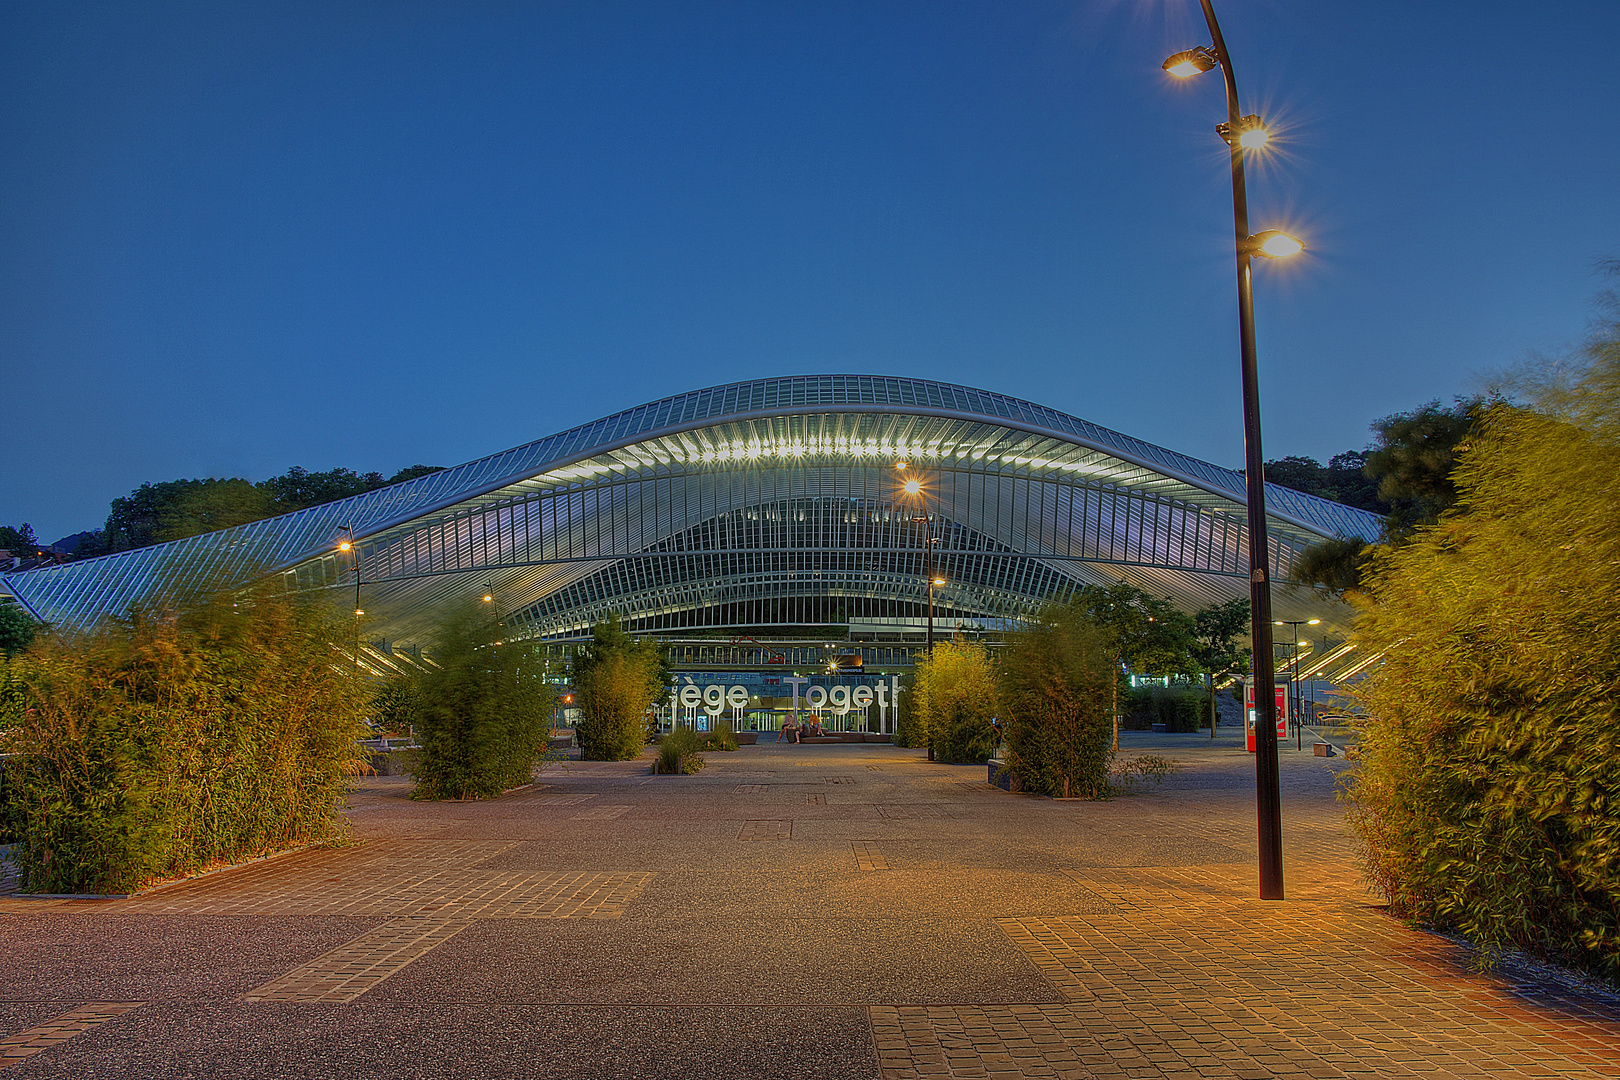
(1244, 133)
(914, 488)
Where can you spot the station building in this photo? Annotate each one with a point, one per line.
(763, 530)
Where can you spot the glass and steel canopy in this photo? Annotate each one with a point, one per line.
(770, 503)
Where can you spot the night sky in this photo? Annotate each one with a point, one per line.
(239, 237)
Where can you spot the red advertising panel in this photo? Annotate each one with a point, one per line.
(1249, 715)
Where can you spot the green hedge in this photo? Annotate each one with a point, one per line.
(1178, 708)
(173, 740)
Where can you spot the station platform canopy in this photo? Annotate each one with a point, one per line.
(773, 505)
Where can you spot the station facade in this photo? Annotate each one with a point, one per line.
(765, 530)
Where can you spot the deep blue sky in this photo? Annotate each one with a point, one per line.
(238, 237)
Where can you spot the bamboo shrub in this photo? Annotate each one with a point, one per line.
(1486, 788)
(483, 711)
(1056, 680)
(176, 739)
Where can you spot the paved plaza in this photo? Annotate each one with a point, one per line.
(835, 911)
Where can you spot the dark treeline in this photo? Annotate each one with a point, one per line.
(175, 509)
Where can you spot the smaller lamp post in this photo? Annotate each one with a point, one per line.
(350, 545)
(1293, 682)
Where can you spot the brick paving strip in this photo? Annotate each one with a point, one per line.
(838, 779)
(818, 799)
(1193, 989)
(441, 879)
(767, 829)
(868, 856)
(356, 966)
(749, 789)
(26, 1044)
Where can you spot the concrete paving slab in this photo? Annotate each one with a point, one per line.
(822, 911)
(485, 1041)
(715, 959)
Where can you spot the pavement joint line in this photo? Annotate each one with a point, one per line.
(59, 1029)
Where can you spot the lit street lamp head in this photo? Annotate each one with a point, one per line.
(1184, 65)
(1273, 244)
(1252, 133)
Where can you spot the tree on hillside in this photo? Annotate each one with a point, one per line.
(210, 505)
(136, 520)
(1411, 462)
(1343, 479)
(1415, 455)
(617, 679)
(20, 541)
(298, 487)
(175, 509)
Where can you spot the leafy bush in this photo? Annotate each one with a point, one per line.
(172, 740)
(1488, 775)
(909, 729)
(720, 737)
(954, 698)
(617, 679)
(17, 627)
(396, 705)
(1057, 682)
(484, 711)
(678, 753)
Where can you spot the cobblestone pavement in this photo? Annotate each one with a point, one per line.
(792, 911)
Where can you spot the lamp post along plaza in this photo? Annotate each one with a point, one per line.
(913, 487)
(1244, 133)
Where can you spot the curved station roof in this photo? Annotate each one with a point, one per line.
(761, 504)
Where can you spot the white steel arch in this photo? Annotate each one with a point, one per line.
(765, 503)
